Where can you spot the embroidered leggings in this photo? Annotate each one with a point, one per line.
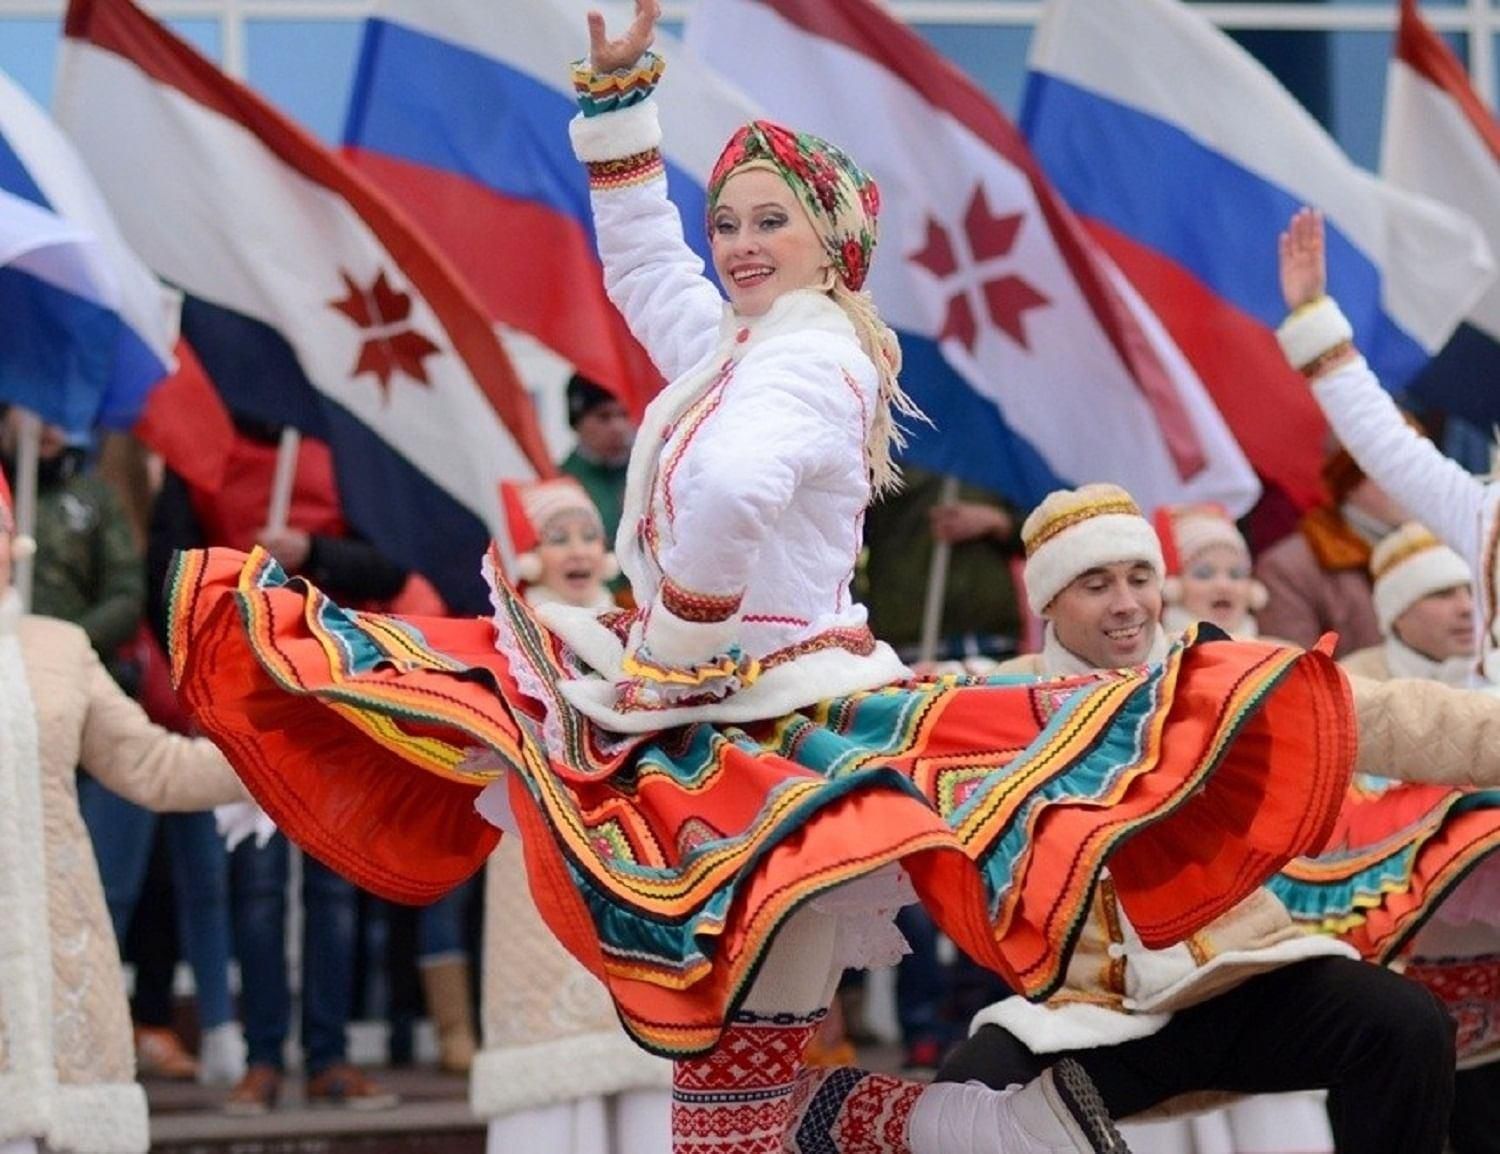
(753, 1095)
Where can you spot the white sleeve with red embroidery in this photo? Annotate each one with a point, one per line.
(650, 273)
(791, 424)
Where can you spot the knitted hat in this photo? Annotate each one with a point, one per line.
(1189, 530)
(530, 505)
(1408, 565)
(1075, 530)
(584, 396)
(19, 546)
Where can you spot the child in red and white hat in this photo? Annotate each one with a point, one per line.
(1208, 571)
(558, 537)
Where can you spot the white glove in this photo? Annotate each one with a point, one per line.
(239, 819)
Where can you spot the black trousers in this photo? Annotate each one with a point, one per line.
(1475, 1128)
(1381, 1045)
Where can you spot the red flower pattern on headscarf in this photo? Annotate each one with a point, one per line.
(840, 198)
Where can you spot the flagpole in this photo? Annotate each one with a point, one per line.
(27, 459)
(285, 476)
(937, 583)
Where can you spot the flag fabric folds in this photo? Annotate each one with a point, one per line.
(313, 300)
(1186, 158)
(462, 115)
(1037, 361)
(89, 330)
(1441, 141)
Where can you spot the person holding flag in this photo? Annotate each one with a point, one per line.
(724, 796)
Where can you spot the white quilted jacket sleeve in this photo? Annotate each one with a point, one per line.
(650, 273)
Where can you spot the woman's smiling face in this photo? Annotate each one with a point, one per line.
(762, 242)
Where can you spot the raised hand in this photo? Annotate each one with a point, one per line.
(1304, 267)
(608, 55)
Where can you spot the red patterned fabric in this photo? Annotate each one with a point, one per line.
(737, 1098)
(1470, 989)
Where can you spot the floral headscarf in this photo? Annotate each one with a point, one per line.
(840, 198)
(842, 203)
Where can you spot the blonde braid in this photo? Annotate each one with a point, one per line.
(886, 434)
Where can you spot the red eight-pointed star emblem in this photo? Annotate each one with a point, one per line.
(391, 346)
(1004, 296)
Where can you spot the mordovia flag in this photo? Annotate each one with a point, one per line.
(313, 299)
(1035, 359)
(100, 326)
(1186, 158)
(461, 114)
(1442, 142)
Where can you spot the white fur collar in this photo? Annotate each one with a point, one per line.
(1060, 661)
(1404, 661)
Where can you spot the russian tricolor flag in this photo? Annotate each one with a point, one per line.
(1035, 358)
(1186, 158)
(88, 330)
(313, 301)
(1441, 141)
(461, 113)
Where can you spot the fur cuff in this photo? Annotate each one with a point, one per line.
(1313, 331)
(616, 135)
(109, 1118)
(682, 642)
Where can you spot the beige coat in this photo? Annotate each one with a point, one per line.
(550, 1030)
(67, 1064)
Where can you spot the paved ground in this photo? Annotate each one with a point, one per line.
(433, 1115)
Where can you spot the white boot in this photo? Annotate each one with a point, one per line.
(1058, 1113)
(221, 1055)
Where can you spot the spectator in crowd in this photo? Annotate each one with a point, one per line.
(315, 543)
(89, 571)
(599, 460)
(87, 568)
(1317, 578)
(1208, 571)
(557, 1072)
(67, 1075)
(980, 615)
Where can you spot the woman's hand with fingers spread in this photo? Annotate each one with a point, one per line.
(1304, 268)
(608, 55)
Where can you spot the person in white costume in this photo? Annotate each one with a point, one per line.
(556, 1071)
(67, 1059)
(1461, 509)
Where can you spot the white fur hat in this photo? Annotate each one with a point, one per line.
(1075, 530)
(1408, 565)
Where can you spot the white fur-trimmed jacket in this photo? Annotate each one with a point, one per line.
(67, 1063)
(746, 492)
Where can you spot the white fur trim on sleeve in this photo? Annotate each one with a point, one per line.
(616, 135)
(1312, 331)
(682, 644)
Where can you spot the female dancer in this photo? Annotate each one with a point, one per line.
(723, 797)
